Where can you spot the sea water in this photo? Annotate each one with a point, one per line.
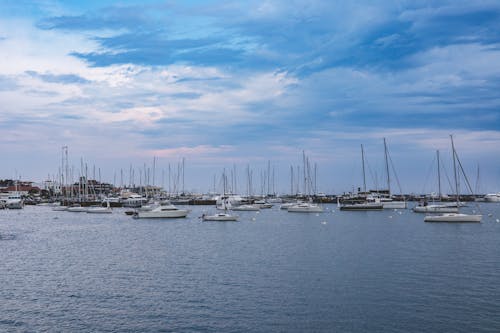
(272, 271)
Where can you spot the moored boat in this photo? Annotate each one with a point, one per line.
(305, 207)
(455, 217)
(362, 206)
(222, 217)
(492, 197)
(14, 201)
(164, 210)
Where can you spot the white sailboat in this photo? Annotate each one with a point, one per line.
(425, 207)
(365, 204)
(221, 217)
(454, 217)
(389, 202)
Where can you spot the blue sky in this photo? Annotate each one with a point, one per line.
(225, 83)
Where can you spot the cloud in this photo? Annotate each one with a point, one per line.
(201, 151)
(112, 17)
(7, 83)
(252, 81)
(301, 37)
(59, 78)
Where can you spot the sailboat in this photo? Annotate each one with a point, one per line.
(424, 207)
(388, 201)
(454, 217)
(222, 217)
(306, 206)
(361, 206)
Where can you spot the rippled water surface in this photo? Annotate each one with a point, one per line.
(272, 271)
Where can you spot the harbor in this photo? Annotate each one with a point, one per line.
(335, 270)
(249, 166)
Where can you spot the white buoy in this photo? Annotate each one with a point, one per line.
(390, 216)
(253, 218)
(498, 221)
(324, 222)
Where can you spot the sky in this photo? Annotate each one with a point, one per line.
(231, 85)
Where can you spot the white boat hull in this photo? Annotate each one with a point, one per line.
(362, 206)
(220, 217)
(178, 213)
(14, 205)
(453, 217)
(305, 209)
(492, 198)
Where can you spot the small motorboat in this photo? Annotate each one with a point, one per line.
(163, 210)
(222, 217)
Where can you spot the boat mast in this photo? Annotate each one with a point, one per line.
(455, 168)
(305, 177)
(439, 174)
(268, 177)
(387, 168)
(183, 168)
(235, 190)
(363, 162)
(62, 170)
(154, 170)
(476, 190)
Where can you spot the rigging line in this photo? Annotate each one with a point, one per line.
(463, 173)
(371, 174)
(447, 177)
(428, 174)
(394, 171)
